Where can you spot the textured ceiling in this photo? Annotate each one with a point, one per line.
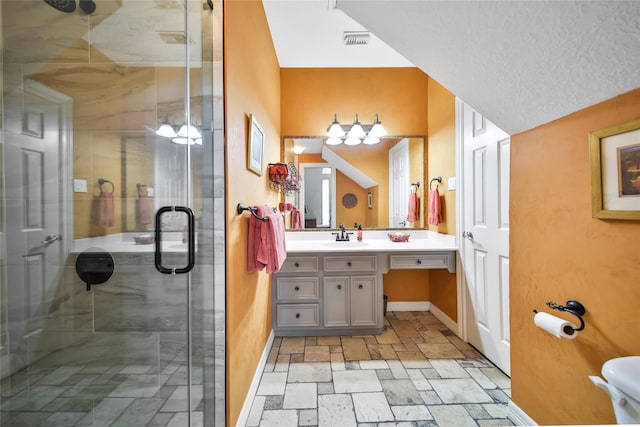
(520, 63)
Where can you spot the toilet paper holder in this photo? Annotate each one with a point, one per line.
(573, 307)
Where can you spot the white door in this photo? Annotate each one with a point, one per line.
(399, 184)
(35, 187)
(485, 243)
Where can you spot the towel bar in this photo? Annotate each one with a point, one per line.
(251, 209)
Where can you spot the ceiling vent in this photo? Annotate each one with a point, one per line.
(355, 38)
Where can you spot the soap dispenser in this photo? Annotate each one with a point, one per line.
(359, 233)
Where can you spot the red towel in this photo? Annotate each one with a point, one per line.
(106, 212)
(435, 208)
(296, 218)
(266, 245)
(143, 209)
(414, 207)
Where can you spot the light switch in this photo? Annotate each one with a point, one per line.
(79, 185)
(451, 184)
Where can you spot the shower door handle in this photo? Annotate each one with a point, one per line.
(191, 241)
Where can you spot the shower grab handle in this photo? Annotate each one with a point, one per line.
(191, 241)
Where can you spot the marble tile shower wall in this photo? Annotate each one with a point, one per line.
(137, 317)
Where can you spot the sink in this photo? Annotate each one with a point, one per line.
(352, 244)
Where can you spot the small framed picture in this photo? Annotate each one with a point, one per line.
(615, 171)
(370, 200)
(255, 146)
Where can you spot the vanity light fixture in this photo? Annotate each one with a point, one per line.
(183, 135)
(298, 149)
(166, 130)
(356, 133)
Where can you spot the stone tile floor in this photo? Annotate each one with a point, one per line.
(416, 373)
(101, 396)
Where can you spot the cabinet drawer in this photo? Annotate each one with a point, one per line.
(436, 260)
(300, 265)
(295, 288)
(350, 263)
(293, 315)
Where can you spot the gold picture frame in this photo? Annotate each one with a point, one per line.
(615, 171)
(255, 146)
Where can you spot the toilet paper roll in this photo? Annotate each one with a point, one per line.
(555, 325)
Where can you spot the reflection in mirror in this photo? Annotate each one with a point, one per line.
(365, 184)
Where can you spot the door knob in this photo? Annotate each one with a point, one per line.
(50, 239)
(467, 235)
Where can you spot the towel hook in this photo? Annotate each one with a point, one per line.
(251, 209)
(438, 178)
(140, 187)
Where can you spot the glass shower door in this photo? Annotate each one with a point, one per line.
(107, 166)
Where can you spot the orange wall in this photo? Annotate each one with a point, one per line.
(252, 86)
(373, 161)
(441, 160)
(358, 213)
(559, 252)
(311, 96)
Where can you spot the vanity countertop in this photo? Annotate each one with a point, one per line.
(373, 241)
(124, 243)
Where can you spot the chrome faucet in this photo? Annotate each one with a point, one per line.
(342, 236)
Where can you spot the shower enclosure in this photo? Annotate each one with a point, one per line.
(112, 213)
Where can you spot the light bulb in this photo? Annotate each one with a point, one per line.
(377, 130)
(190, 131)
(352, 141)
(356, 130)
(166, 131)
(333, 141)
(335, 130)
(370, 141)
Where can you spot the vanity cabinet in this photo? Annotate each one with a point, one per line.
(332, 292)
(328, 295)
(349, 301)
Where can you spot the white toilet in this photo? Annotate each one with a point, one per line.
(623, 376)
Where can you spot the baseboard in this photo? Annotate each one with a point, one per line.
(253, 389)
(446, 320)
(408, 306)
(518, 416)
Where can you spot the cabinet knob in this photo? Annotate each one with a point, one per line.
(296, 264)
(360, 286)
(297, 288)
(339, 286)
(297, 315)
(418, 261)
(349, 264)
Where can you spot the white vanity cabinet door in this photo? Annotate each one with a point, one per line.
(363, 301)
(336, 302)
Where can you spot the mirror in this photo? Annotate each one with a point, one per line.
(366, 184)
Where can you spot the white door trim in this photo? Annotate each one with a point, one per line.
(460, 277)
(66, 157)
